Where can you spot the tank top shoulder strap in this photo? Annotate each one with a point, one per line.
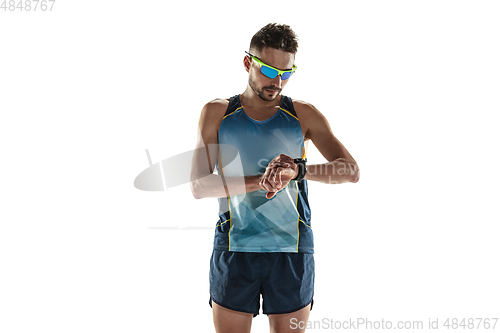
(234, 103)
(287, 104)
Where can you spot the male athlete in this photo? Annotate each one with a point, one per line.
(263, 239)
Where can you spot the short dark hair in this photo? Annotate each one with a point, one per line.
(277, 36)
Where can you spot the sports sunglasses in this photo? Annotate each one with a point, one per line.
(272, 72)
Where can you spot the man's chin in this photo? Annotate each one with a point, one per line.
(267, 99)
(266, 95)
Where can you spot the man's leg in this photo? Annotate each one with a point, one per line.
(229, 321)
(288, 285)
(294, 322)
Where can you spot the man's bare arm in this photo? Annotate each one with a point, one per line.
(341, 166)
(204, 183)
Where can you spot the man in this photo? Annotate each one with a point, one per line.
(263, 238)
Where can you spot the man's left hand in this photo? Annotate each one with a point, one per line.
(278, 174)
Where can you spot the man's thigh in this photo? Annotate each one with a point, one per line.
(294, 322)
(230, 321)
(288, 284)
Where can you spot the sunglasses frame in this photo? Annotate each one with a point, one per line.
(280, 72)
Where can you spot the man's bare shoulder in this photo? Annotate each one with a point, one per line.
(217, 104)
(213, 112)
(305, 110)
(309, 116)
(214, 108)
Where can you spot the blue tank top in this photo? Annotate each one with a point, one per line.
(250, 222)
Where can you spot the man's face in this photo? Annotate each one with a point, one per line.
(266, 88)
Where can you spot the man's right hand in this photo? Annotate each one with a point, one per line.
(278, 174)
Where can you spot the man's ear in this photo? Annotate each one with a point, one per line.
(247, 61)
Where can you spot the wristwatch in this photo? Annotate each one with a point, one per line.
(301, 163)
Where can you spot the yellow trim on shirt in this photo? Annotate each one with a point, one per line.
(298, 218)
(305, 224)
(228, 201)
(288, 113)
(229, 233)
(231, 113)
(219, 224)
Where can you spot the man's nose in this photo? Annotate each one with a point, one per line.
(277, 81)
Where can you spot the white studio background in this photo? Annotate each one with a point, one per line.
(411, 88)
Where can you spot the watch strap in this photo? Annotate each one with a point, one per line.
(301, 163)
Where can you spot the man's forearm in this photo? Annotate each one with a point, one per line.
(216, 186)
(335, 172)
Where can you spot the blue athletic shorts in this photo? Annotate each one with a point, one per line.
(285, 280)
